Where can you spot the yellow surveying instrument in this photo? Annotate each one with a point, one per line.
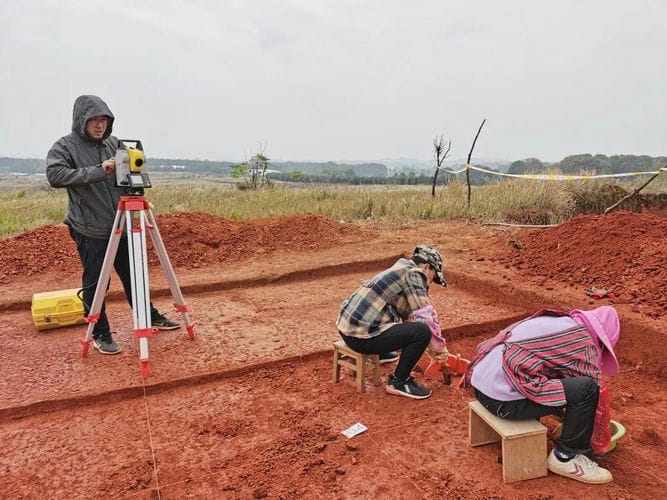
(130, 162)
(136, 216)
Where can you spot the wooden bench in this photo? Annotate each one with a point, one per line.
(524, 442)
(355, 361)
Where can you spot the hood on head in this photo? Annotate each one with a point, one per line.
(604, 327)
(85, 107)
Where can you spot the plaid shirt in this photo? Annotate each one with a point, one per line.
(534, 367)
(384, 300)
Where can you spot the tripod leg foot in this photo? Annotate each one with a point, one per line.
(85, 345)
(145, 368)
(191, 331)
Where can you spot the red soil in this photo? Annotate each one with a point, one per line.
(193, 240)
(249, 410)
(623, 253)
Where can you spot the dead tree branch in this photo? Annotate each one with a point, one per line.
(469, 156)
(440, 152)
(633, 192)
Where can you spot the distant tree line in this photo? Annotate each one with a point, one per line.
(600, 164)
(331, 168)
(377, 173)
(38, 165)
(350, 177)
(196, 166)
(399, 178)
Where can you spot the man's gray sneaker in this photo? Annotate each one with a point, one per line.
(106, 345)
(164, 323)
(408, 388)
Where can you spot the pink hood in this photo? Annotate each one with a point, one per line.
(604, 326)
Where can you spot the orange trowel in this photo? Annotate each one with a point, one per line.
(443, 365)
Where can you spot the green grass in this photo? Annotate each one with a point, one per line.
(34, 204)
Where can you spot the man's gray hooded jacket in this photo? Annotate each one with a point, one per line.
(75, 162)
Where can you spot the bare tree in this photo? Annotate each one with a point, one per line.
(440, 152)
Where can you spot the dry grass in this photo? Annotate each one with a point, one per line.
(34, 204)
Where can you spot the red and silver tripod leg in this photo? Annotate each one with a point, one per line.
(179, 301)
(136, 241)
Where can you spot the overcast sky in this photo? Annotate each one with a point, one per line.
(336, 80)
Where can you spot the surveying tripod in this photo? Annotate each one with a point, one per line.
(134, 212)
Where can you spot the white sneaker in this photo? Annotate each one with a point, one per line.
(580, 468)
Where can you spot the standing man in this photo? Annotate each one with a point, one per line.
(551, 363)
(84, 163)
(378, 317)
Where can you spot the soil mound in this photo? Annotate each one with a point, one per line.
(191, 239)
(625, 252)
(194, 239)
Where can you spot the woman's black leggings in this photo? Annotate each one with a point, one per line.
(411, 338)
(581, 395)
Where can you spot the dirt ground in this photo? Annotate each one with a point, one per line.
(248, 409)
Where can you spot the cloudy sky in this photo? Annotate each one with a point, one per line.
(336, 80)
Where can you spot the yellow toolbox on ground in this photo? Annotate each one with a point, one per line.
(56, 309)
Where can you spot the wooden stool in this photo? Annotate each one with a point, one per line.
(524, 442)
(343, 356)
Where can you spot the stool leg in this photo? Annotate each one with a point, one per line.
(336, 366)
(361, 373)
(375, 359)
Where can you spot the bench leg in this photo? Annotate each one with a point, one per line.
(524, 458)
(479, 432)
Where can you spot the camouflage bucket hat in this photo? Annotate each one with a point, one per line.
(431, 256)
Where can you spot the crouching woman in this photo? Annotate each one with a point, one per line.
(551, 363)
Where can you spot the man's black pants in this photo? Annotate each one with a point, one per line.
(412, 338)
(581, 394)
(91, 252)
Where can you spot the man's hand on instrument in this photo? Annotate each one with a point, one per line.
(109, 166)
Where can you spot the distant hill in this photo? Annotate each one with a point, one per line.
(22, 165)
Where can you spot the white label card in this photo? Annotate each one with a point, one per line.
(357, 428)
